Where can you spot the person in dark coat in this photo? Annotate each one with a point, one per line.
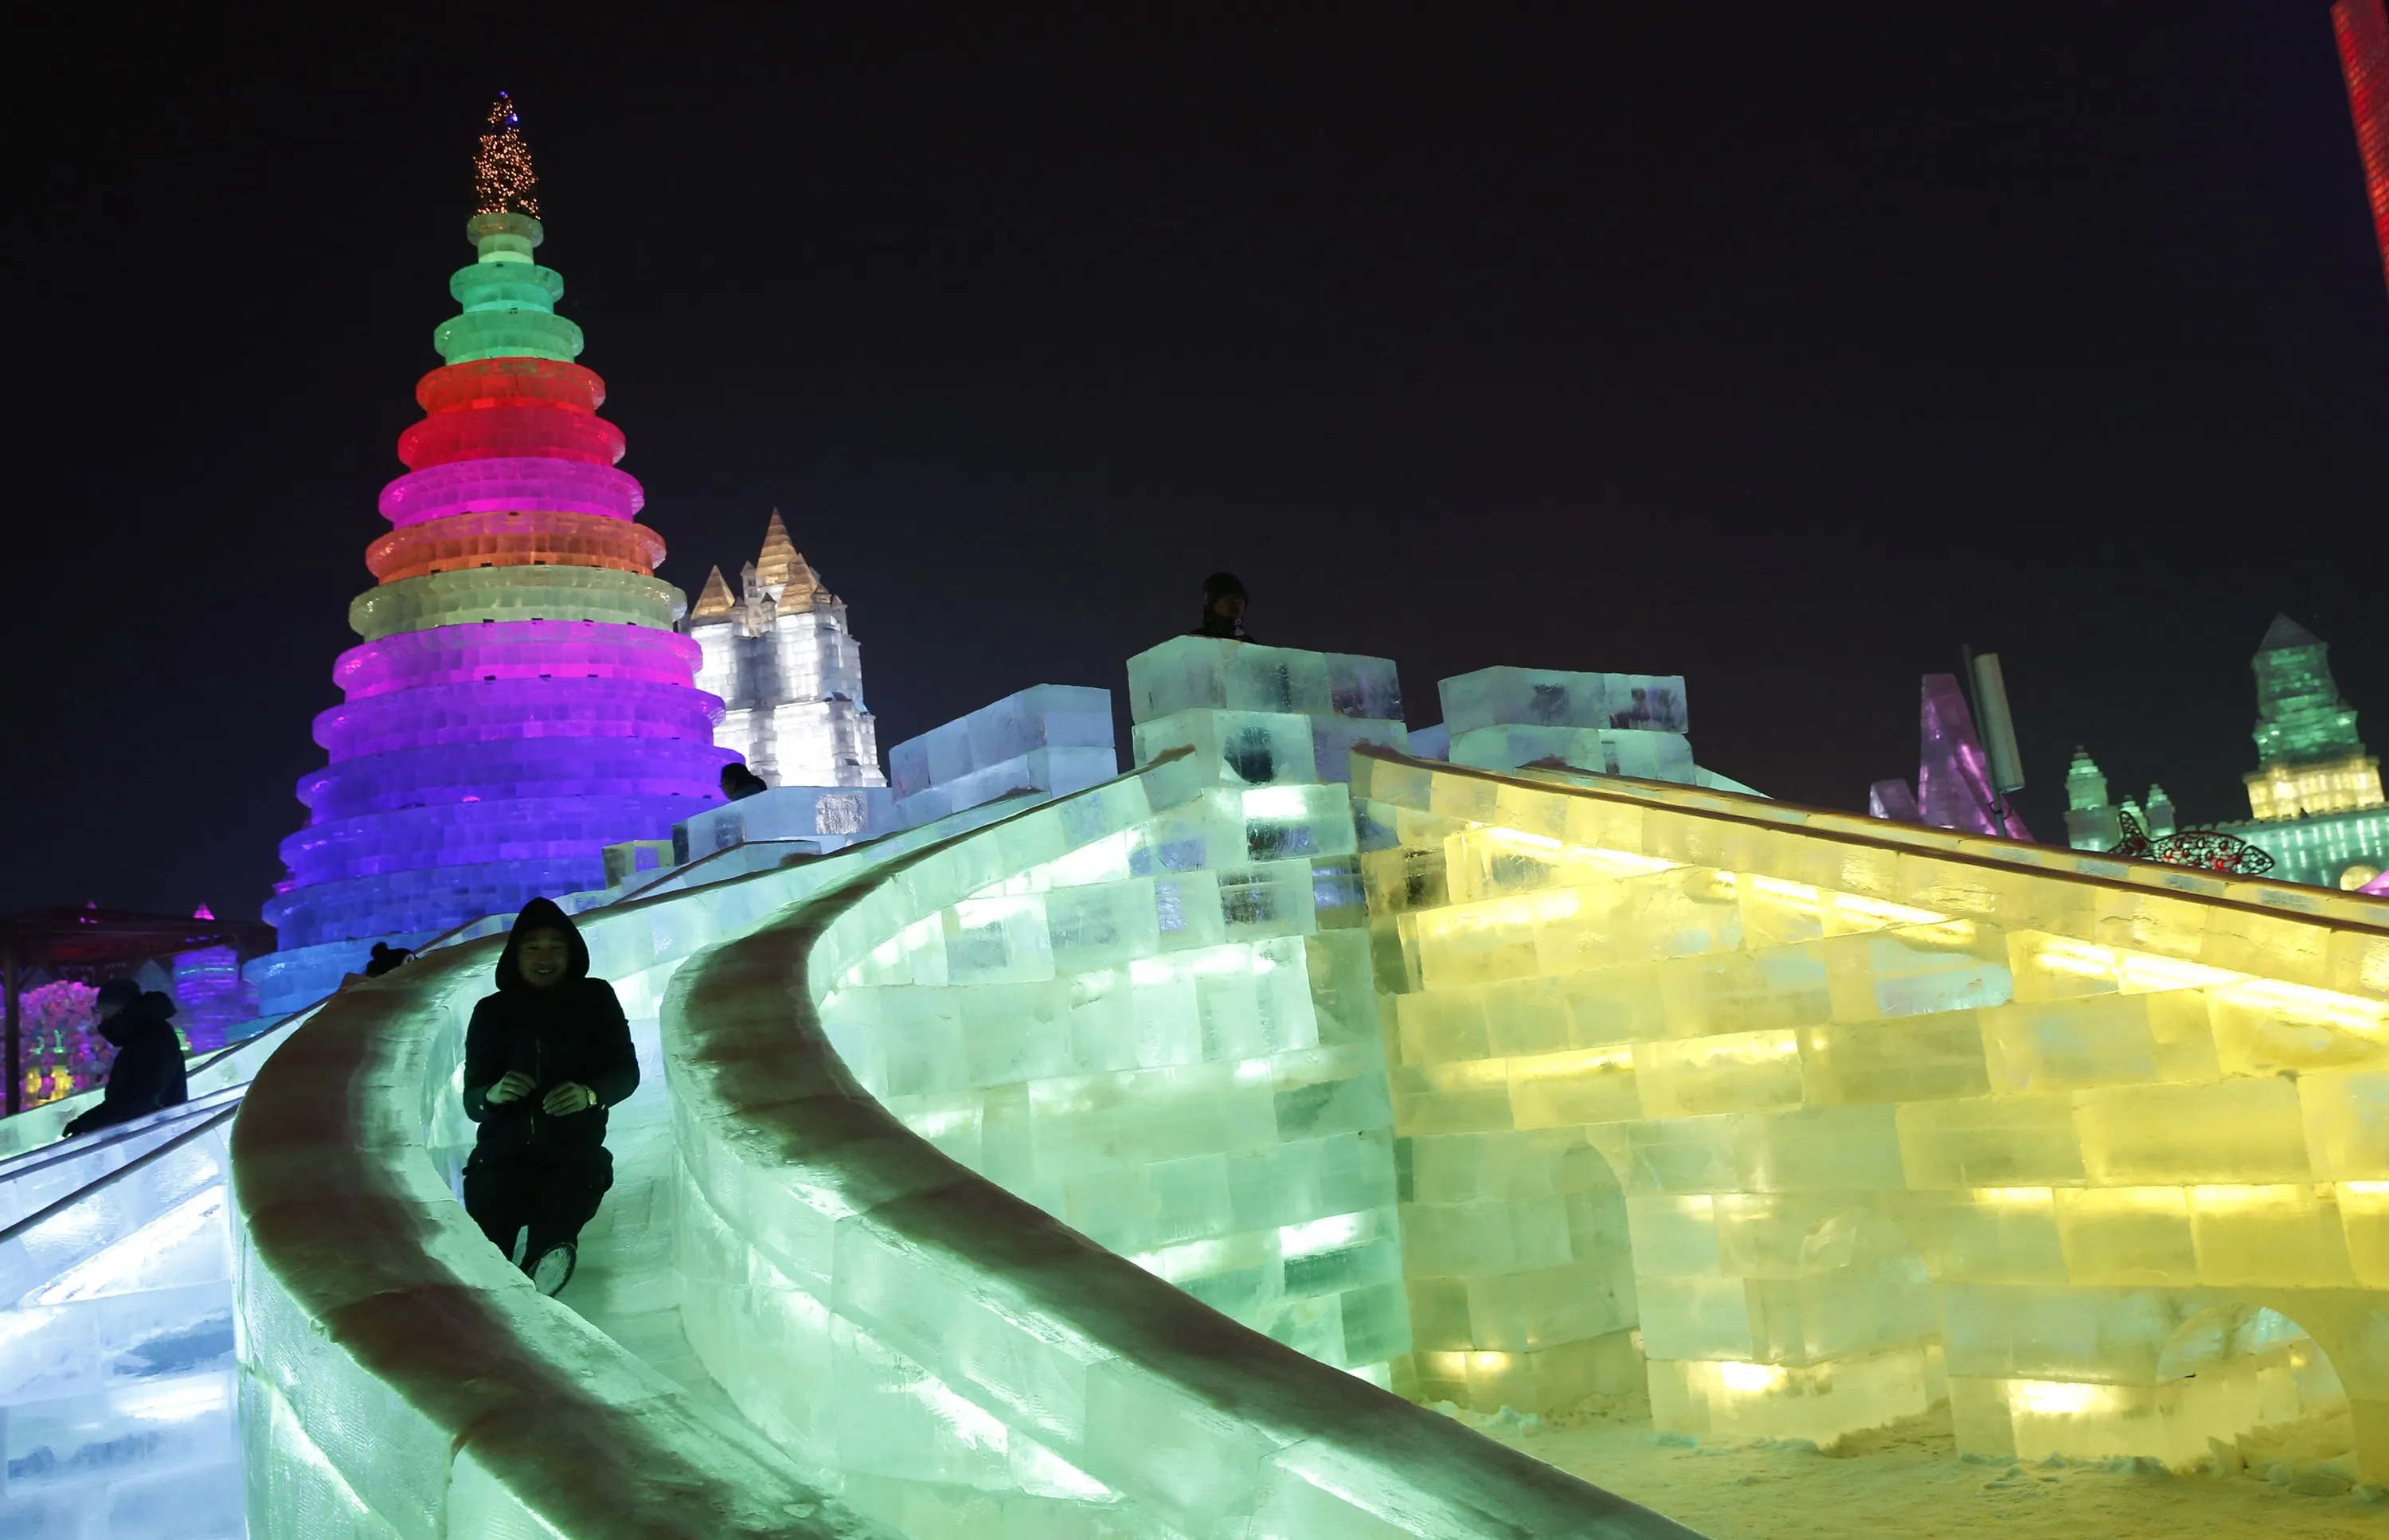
(739, 783)
(1223, 608)
(544, 1058)
(147, 1072)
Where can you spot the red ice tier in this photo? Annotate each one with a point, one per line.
(520, 699)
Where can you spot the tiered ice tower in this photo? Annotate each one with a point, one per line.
(520, 699)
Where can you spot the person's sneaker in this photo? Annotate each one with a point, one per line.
(555, 1269)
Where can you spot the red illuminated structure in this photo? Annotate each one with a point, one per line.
(2364, 59)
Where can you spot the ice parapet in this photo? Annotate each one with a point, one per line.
(1545, 697)
(1602, 724)
(1052, 738)
(1208, 673)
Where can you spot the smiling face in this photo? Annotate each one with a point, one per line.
(543, 957)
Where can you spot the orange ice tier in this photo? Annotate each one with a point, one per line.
(511, 429)
(485, 382)
(530, 538)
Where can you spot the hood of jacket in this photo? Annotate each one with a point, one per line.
(540, 914)
(154, 1006)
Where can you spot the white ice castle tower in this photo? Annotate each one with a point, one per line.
(791, 675)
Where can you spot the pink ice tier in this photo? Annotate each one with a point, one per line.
(515, 649)
(505, 769)
(485, 486)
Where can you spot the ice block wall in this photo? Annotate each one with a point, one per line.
(1609, 725)
(519, 700)
(1203, 1094)
(2091, 1149)
(1051, 738)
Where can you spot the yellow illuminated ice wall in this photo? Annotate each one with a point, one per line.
(2095, 1151)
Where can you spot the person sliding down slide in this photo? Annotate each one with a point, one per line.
(544, 1057)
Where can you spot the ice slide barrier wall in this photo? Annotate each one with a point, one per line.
(799, 1313)
(2096, 1150)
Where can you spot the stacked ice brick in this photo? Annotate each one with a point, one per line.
(1611, 724)
(520, 699)
(1266, 715)
(1167, 1038)
(2092, 1149)
(1052, 738)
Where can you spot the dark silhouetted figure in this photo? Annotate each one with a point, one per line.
(1223, 608)
(386, 959)
(544, 1057)
(737, 781)
(148, 1070)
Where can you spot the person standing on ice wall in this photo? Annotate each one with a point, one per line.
(544, 1057)
(1223, 608)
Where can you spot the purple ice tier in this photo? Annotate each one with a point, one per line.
(504, 768)
(515, 649)
(430, 900)
(463, 833)
(530, 708)
(482, 486)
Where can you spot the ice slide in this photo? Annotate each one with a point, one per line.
(1455, 1074)
(793, 1290)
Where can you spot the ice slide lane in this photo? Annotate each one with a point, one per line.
(992, 1373)
(116, 1333)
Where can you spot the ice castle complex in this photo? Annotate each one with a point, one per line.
(1074, 1153)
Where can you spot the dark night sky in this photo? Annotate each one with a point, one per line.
(1788, 349)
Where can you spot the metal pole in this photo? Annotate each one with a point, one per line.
(16, 1048)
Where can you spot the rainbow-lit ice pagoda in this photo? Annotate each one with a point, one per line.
(520, 699)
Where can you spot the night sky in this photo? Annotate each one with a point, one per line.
(1788, 349)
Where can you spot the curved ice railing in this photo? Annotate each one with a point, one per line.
(954, 1357)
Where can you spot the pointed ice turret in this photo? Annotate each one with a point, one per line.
(714, 604)
(782, 570)
(2091, 821)
(2308, 757)
(790, 671)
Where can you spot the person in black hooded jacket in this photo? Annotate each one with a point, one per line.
(544, 1057)
(147, 1072)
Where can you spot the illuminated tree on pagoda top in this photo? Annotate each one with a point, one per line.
(504, 182)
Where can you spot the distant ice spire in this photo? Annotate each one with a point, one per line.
(714, 603)
(781, 568)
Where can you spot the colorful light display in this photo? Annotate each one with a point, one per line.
(520, 699)
(2363, 36)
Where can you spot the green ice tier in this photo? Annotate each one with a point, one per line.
(509, 300)
(516, 593)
